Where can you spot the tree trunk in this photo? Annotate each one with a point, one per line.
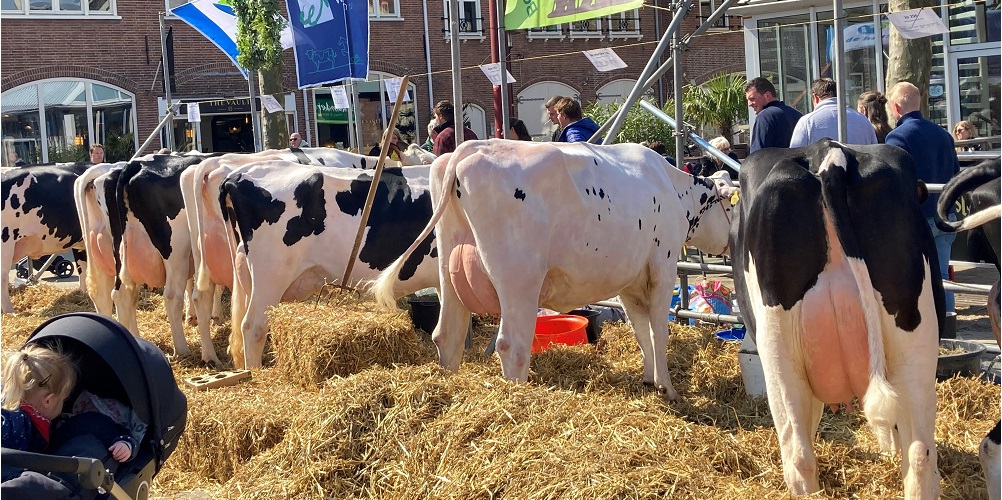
(275, 133)
(910, 60)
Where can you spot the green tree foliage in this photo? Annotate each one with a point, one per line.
(639, 126)
(259, 31)
(719, 102)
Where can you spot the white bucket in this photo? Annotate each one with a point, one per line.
(751, 368)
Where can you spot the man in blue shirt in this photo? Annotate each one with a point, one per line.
(935, 160)
(774, 120)
(574, 127)
(823, 121)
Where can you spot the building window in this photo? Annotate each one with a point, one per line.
(625, 24)
(58, 7)
(58, 120)
(384, 9)
(974, 22)
(554, 31)
(708, 7)
(586, 28)
(784, 55)
(470, 22)
(860, 49)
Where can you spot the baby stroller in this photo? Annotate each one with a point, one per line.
(60, 266)
(112, 363)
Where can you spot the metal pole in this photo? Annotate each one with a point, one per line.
(680, 128)
(427, 53)
(661, 115)
(457, 76)
(163, 55)
(638, 89)
(255, 116)
(839, 59)
(656, 77)
(168, 116)
(356, 108)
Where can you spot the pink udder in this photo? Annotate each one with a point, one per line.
(472, 284)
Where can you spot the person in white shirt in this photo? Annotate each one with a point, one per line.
(823, 121)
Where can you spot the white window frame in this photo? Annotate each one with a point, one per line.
(582, 34)
(554, 32)
(707, 7)
(478, 19)
(377, 16)
(614, 20)
(84, 11)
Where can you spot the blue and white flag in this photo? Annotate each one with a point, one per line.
(331, 40)
(217, 22)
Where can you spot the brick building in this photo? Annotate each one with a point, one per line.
(77, 72)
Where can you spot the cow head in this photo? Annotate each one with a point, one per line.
(710, 223)
(415, 155)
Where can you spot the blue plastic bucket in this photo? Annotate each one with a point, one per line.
(734, 334)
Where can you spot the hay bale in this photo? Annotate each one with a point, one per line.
(313, 343)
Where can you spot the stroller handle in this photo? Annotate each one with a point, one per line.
(90, 471)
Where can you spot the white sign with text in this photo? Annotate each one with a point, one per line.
(194, 115)
(604, 59)
(493, 73)
(393, 89)
(271, 104)
(917, 23)
(340, 97)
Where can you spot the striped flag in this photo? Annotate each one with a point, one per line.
(217, 22)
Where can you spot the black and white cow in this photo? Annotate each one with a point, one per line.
(293, 229)
(836, 275)
(983, 180)
(39, 217)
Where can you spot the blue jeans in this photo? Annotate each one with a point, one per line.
(944, 245)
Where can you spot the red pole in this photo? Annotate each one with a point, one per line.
(495, 58)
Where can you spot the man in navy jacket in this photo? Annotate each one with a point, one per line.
(935, 160)
(774, 120)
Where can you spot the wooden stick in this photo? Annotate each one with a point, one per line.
(375, 181)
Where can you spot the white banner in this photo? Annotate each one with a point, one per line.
(194, 115)
(340, 97)
(604, 59)
(493, 73)
(393, 89)
(271, 104)
(917, 24)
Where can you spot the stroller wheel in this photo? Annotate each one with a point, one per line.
(22, 271)
(64, 269)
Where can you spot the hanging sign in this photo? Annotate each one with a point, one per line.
(604, 59)
(193, 113)
(393, 89)
(271, 104)
(917, 23)
(493, 72)
(340, 97)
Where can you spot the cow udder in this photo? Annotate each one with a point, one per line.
(471, 283)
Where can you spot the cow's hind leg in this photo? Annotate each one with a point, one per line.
(6, 261)
(988, 454)
(517, 330)
(238, 308)
(174, 303)
(126, 299)
(795, 411)
(453, 324)
(203, 308)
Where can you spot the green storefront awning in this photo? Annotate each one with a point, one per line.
(327, 114)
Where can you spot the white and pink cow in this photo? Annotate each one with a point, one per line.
(520, 225)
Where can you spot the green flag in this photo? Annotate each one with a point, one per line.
(523, 14)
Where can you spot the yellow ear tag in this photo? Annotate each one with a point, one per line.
(734, 198)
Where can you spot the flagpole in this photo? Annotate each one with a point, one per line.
(163, 53)
(255, 116)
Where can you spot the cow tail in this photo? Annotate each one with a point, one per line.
(880, 400)
(384, 286)
(967, 180)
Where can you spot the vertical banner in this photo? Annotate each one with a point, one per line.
(523, 14)
(331, 40)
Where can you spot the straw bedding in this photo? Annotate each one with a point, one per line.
(353, 404)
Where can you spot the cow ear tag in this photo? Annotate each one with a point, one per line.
(734, 198)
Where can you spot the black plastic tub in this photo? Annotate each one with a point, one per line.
(966, 363)
(594, 328)
(424, 313)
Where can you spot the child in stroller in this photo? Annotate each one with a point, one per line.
(124, 382)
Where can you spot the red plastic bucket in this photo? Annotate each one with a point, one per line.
(559, 329)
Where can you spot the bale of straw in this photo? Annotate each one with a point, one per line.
(313, 343)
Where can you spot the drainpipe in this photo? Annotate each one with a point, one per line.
(427, 52)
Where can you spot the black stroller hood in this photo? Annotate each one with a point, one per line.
(114, 363)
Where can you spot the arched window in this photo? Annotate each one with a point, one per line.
(531, 110)
(478, 120)
(57, 120)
